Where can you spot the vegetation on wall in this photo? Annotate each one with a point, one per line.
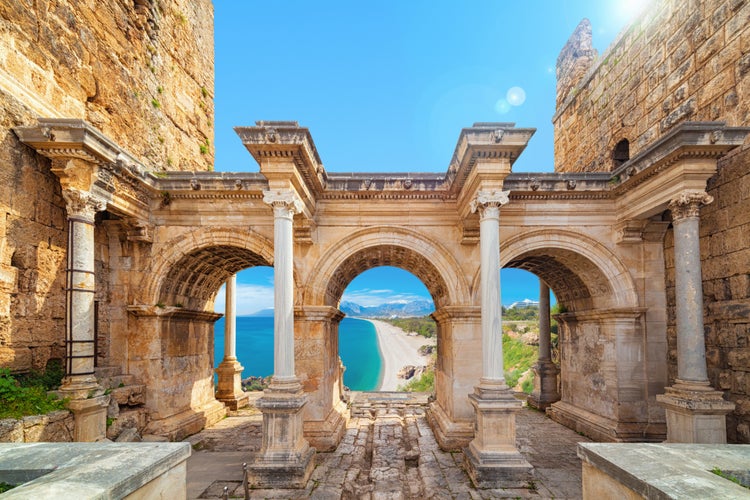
(28, 394)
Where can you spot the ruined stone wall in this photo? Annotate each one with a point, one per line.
(141, 71)
(725, 255)
(682, 60)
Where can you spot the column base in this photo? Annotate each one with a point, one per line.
(497, 470)
(229, 390)
(90, 417)
(545, 386)
(492, 459)
(696, 413)
(285, 459)
(325, 435)
(450, 435)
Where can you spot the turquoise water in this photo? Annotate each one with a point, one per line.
(358, 348)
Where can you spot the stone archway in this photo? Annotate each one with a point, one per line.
(349, 257)
(607, 385)
(172, 351)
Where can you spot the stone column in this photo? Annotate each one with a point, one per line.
(696, 413)
(492, 459)
(286, 458)
(87, 399)
(545, 371)
(229, 390)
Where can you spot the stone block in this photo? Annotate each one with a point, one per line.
(11, 431)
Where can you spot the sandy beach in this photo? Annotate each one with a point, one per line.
(399, 349)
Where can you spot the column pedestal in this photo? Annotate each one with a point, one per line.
(492, 459)
(90, 417)
(229, 390)
(545, 385)
(285, 459)
(695, 414)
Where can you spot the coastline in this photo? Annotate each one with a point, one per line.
(397, 349)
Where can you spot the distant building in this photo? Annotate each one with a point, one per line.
(524, 303)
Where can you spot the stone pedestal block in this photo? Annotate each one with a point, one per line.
(545, 386)
(695, 414)
(285, 459)
(90, 418)
(492, 459)
(449, 434)
(229, 389)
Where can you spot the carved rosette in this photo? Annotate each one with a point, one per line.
(82, 205)
(489, 202)
(688, 204)
(285, 202)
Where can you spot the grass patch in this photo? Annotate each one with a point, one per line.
(6, 486)
(30, 398)
(517, 358)
(423, 383)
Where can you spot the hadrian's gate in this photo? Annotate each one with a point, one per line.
(595, 238)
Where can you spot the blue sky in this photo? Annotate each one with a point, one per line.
(388, 85)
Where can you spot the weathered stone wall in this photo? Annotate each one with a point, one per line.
(142, 72)
(56, 427)
(725, 254)
(682, 60)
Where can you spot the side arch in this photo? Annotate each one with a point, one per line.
(191, 267)
(387, 245)
(583, 273)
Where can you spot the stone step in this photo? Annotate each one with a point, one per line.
(116, 381)
(129, 418)
(107, 371)
(130, 395)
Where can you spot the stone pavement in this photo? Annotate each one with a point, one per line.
(391, 456)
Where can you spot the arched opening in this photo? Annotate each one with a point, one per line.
(317, 323)
(173, 349)
(387, 340)
(604, 374)
(253, 332)
(621, 153)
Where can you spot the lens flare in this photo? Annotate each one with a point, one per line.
(502, 106)
(515, 96)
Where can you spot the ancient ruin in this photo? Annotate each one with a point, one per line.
(118, 235)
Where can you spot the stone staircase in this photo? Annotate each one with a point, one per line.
(127, 415)
(370, 404)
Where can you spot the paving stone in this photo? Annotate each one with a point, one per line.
(389, 457)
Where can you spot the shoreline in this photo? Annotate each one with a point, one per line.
(397, 349)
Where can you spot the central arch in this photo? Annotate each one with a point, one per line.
(444, 278)
(387, 246)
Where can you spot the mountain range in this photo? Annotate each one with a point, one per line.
(401, 309)
(389, 310)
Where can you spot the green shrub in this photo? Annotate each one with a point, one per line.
(17, 401)
(424, 383)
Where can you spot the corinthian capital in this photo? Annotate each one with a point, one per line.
(82, 205)
(488, 202)
(688, 204)
(285, 202)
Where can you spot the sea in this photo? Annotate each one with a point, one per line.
(358, 349)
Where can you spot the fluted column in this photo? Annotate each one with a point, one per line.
(230, 318)
(488, 204)
(696, 413)
(492, 459)
(285, 459)
(229, 389)
(80, 288)
(87, 399)
(545, 372)
(285, 204)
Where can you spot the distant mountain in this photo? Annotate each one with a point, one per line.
(410, 309)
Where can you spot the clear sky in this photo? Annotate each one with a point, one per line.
(388, 85)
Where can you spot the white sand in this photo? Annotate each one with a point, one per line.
(399, 349)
